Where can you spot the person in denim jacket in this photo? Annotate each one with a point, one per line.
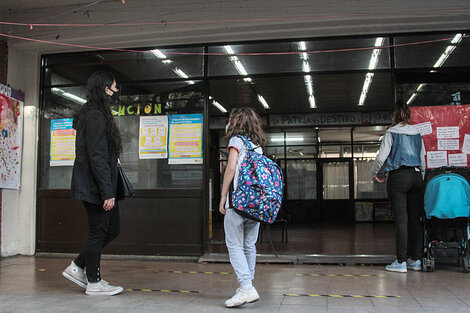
(401, 157)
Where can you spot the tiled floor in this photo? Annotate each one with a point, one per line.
(326, 238)
(29, 284)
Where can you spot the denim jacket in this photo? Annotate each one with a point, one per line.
(401, 146)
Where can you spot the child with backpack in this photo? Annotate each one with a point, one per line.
(241, 233)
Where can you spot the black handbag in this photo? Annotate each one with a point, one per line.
(124, 187)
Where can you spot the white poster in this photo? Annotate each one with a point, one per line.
(466, 144)
(424, 128)
(447, 132)
(458, 159)
(448, 144)
(153, 137)
(437, 159)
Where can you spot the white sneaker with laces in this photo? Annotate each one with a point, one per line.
(102, 288)
(75, 274)
(241, 297)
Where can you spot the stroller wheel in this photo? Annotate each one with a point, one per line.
(424, 265)
(432, 265)
(466, 268)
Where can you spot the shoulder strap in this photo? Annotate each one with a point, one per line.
(248, 144)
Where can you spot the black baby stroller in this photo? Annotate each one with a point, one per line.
(446, 226)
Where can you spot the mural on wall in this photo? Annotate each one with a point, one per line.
(10, 138)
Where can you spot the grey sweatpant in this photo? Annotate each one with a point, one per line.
(241, 235)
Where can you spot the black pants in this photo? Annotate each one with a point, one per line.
(103, 227)
(405, 191)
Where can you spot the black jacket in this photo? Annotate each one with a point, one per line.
(94, 177)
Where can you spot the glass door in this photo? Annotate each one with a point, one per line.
(335, 194)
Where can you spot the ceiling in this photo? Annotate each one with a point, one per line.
(183, 21)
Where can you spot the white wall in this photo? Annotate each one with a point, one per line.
(19, 206)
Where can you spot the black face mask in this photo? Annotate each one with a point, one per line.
(114, 98)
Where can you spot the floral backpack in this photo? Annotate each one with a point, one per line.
(260, 185)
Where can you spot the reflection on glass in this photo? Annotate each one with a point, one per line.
(335, 151)
(365, 187)
(301, 179)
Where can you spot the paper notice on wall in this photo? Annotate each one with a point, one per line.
(466, 144)
(424, 128)
(458, 159)
(448, 144)
(436, 159)
(447, 132)
(62, 150)
(153, 137)
(185, 143)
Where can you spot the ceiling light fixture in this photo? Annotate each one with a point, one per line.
(374, 60)
(68, 95)
(219, 106)
(263, 102)
(158, 54)
(279, 139)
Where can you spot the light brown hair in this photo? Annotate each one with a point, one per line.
(246, 122)
(401, 113)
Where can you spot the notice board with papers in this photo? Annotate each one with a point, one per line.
(446, 134)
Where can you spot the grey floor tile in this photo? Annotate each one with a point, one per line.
(25, 289)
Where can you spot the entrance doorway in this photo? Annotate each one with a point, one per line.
(327, 189)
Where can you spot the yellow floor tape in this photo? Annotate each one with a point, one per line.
(340, 275)
(336, 296)
(193, 272)
(164, 290)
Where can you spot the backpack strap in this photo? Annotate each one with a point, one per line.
(248, 144)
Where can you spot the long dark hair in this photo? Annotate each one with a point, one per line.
(246, 122)
(401, 113)
(98, 99)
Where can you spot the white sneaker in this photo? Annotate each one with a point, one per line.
(75, 274)
(241, 297)
(102, 289)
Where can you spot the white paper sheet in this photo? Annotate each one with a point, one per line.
(448, 144)
(458, 159)
(447, 132)
(424, 128)
(437, 159)
(466, 144)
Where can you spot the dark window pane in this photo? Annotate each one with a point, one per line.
(425, 94)
(332, 93)
(444, 53)
(161, 98)
(126, 66)
(300, 60)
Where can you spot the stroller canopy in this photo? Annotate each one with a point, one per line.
(447, 196)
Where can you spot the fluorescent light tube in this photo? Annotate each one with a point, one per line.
(263, 102)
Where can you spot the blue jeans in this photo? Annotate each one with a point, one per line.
(241, 235)
(405, 191)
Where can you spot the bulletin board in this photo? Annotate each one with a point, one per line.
(446, 134)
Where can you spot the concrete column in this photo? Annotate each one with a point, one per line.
(19, 206)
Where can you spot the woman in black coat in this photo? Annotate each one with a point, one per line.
(94, 181)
